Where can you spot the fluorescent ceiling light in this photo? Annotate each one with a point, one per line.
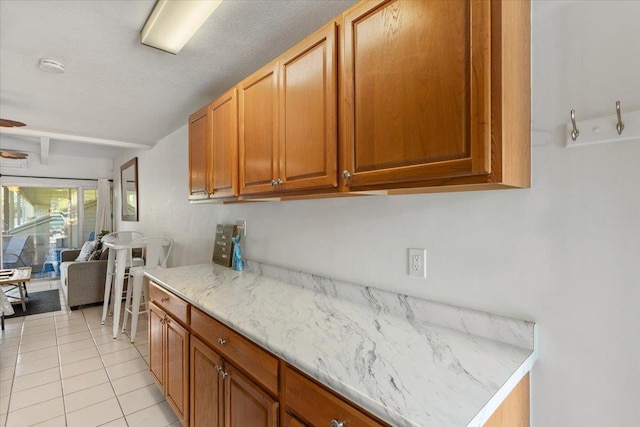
(173, 22)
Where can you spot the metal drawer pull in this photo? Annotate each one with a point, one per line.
(336, 423)
(164, 299)
(218, 368)
(222, 341)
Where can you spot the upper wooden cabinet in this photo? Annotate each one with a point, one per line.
(213, 149)
(258, 117)
(288, 119)
(433, 96)
(308, 112)
(199, 153)
(223, 178)
(428, 100)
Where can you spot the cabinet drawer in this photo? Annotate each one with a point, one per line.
(317, 406)
(173, 305)
(241, 352)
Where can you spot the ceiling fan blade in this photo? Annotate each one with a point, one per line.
(10, 123)
(13, 155)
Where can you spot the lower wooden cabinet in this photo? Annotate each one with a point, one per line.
(309, 403)
(245, 403)
(291, 421)
(206, 386)
(169, 359)
(222, 396)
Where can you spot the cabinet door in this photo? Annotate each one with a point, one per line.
(199, 154)
(291, 421)
(417, 91)
(206, 387)
(177, 368)
(246, 404)
(156, 343)
(224, 146)
(308, 112)
(315, 405)
(258, 116)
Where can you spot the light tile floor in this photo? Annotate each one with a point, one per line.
(65, 369)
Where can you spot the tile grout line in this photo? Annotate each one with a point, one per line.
(13, 376)
(124, 417)
(55, 321)
(87, 318)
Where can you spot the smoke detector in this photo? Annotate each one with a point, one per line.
(51, 65)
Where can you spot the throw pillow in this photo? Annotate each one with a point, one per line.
(86, 250)
(97, 251)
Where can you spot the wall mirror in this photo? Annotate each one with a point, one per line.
(129, 183)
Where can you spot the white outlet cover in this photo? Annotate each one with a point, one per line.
(417, 262)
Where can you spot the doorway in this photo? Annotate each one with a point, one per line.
(40, 222)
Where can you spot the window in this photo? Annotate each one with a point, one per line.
(39, 222)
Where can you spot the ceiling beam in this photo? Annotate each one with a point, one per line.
(73, 138)
(44, 150)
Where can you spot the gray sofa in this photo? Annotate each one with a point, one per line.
(84, 281)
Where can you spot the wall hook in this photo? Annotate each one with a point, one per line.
(620, 125)
(574, 132)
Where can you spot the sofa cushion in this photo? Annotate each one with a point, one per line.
(86, 250)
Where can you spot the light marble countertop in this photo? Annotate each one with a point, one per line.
(409, 361)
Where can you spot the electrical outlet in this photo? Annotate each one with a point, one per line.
(418, 263)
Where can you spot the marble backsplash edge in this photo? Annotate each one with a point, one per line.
(504, 329)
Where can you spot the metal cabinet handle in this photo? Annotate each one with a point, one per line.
(223, 375)
(218, 368)
(222, 341)
(336, 423)
(164, 299)
(274, 182)
(346, 175)
(280, 181)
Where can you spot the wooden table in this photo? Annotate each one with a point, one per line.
(18, 279)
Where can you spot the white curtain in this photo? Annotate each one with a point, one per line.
(103, 213)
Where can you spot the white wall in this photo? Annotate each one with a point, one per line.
(60, 166)
(563, 253)
(164, 209)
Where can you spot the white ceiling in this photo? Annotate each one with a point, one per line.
(114, 88)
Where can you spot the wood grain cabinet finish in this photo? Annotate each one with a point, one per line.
(199, 153)
(245, 403)
(169, 359)
(308, 112)
(213, 149)
(223, 177)
(222, 395)
(314, 405)
(206, 386)
(288, 119)
(176, 307)
(291, 421)
(258, 125)
(261, 366)
(433, 96)
(427, 100)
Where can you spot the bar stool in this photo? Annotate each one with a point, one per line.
(120, 258)
(155, 252)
